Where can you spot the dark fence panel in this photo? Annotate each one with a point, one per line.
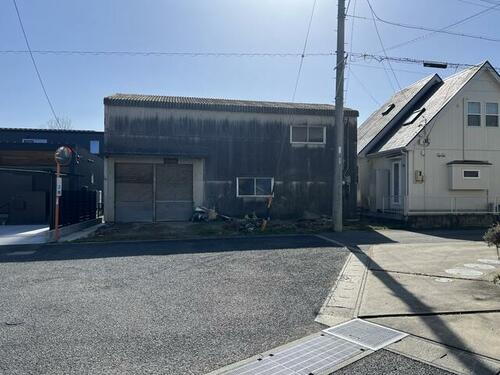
(77, 206)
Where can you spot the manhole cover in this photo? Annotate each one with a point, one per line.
(314, 356)
(367, 334)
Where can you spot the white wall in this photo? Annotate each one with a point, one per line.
(451, 139)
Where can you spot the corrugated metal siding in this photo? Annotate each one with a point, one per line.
(174, 192)
(133, 192)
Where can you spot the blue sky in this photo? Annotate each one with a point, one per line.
(77, 84)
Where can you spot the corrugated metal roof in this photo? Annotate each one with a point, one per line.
(51, 130)
(377, 122)
(223, 105)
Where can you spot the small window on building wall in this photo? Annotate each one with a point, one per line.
(34, 140)
(308, 134)
(254, 186)
(94, 147)
(474, 114)
(471, 174)
(492, 114)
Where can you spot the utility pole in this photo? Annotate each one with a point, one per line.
(339, 123)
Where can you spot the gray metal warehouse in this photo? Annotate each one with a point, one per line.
(166, 155)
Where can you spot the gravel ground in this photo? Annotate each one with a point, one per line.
(384, 362)
(178, 307)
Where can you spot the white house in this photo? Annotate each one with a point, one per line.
(432, 151)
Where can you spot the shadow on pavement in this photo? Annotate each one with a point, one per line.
(95, 250)
(440, 328)
(373, 237)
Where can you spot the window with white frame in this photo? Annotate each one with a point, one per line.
(492, 114)
(471, 174)
(254, 186)
(474, 114)
(308, 134)
(94, 147)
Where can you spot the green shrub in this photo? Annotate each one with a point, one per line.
(492, 237)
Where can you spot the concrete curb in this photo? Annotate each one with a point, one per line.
(192, 239)
(70, 229)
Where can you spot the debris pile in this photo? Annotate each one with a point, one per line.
(251, 223)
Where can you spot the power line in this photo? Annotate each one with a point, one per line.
(304, 50)
(364, 87)
(383, 48)
(456, 23)
(350, 47)
(442, 30)
(354, 56)
(167, 53)
(407, 60)
(397, 70)
(473, 3)
(297, 79)
(34, 63)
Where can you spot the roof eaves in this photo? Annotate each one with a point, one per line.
(223, 105)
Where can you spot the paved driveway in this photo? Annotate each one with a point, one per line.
(178, 307)
(23, 234)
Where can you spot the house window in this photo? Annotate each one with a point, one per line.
(94, 147)
(308, 134)
(471, 174)
(34, 140)
(492, 114)
(396, 182)
(414, 116)
(254, 186)
(474, 114)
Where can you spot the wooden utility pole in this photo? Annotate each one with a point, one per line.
(339, 122)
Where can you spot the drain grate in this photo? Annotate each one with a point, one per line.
(367, 334)
(314, 356)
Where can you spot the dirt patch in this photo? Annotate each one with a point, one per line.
(184, 230)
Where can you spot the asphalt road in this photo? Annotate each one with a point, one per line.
(384, 362)
(176, 307)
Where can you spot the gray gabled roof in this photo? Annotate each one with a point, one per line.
(224, 105)
(377, 122)
(433, 100)
(450, 86)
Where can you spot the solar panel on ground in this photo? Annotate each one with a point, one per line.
(310, 357)
(322, 353)
(370, 335)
